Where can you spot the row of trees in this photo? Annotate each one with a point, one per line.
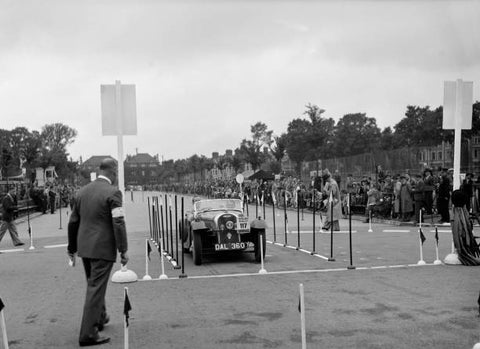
(314, 136)
(21, 148)
(309, 137)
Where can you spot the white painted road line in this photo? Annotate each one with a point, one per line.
(13, 250)
(300, 249)
(441, 231)
(290, 272)
(321, 232)
(56, 246)
(396, 230)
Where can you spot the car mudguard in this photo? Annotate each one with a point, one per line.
(258, 224)
(198, 225)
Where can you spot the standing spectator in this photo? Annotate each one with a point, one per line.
(349, 183)
(467, 188)
(331, 187)
(8, 218)
(443, 196)
(51, 198)
(337, 178)
(397, 186)
(428, 189)
(373, 197)
(419, 197)
(406, 203)
(97, 230)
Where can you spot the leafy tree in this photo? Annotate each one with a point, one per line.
(297, 141)
(319, 134)
(280, 147)
(356, 134)
(55, 139)
(7, 159)
(26, 146)
(237, 160)
(475, 130)
(251, 150)
(420, 127)
(387, 139)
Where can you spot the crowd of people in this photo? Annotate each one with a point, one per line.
(404, 196)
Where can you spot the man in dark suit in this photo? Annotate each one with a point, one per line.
(8, 217)
(96, 231)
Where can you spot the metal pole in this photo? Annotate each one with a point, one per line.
(171, 229)
(285, 218)
(331, 259)
(166, 224)
(263, 203)
(350, 231)
(256, 205)
(313, 229)
(298, 220)
(274, 229)
(59, 210)
(149, 217)
(183, 275)
(176, 230)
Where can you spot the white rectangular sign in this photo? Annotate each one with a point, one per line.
(126, 121)
(465, 90)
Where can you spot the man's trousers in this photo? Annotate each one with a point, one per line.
(12, 229)
(97, 272)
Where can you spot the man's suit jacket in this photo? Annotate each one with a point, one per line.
(92, 230)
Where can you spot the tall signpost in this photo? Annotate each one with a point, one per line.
(119, 118)
(457, 115)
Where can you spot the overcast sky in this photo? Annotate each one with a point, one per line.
(205, 71)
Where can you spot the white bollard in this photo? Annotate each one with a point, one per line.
(421, 261)
(262, 269)
(31, 239)
(147, 276)
(163, 276)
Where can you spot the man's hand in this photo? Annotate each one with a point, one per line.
(124, 258)
(72, 258)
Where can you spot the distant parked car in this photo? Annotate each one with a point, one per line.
(218, 225)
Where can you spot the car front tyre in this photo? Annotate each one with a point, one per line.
(197, 248)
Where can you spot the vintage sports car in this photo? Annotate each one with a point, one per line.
(218, 225)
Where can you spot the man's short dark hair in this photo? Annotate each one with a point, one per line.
(108, 164)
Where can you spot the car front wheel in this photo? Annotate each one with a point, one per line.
(197, 248)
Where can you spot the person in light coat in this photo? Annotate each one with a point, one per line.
(331, 192)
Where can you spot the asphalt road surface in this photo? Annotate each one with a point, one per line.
(387, 301)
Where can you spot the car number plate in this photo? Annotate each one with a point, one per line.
(231, 246)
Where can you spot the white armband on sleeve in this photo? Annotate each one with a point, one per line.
(117, 212)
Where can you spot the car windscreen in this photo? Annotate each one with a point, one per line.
(229, 204)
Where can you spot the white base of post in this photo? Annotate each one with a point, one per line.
(421, 262)
(147, 277)
(31, 240)
(452, 259)
(437, 262)
(162, 276)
